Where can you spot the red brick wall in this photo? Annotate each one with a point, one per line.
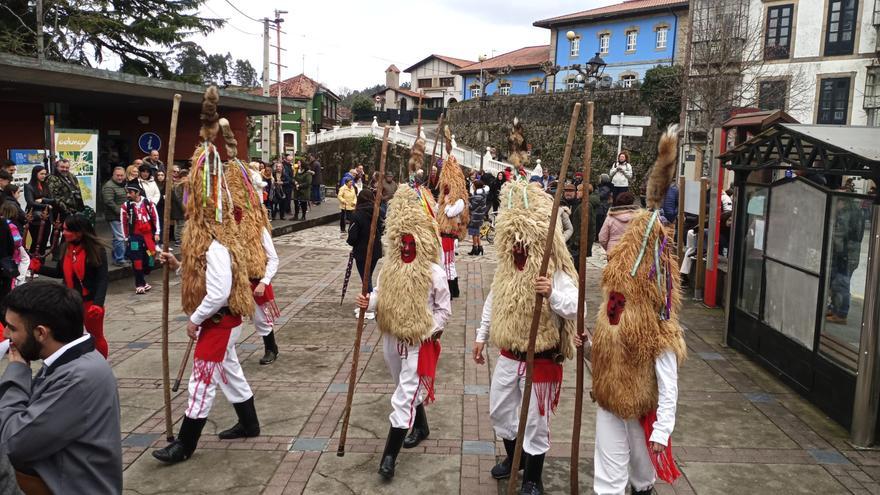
(21, 127)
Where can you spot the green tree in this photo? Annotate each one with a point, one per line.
(362, 103)
(219, 69)
(244, 73)
(191, 62)
(139, 33)
(661, 93)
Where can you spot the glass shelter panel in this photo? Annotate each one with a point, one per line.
(795, 231)
(753, 247)
(790, 305)
(849, 236)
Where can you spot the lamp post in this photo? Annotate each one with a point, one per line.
(482, 58)
(593, 69)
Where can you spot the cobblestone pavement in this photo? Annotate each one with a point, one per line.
(738, 430)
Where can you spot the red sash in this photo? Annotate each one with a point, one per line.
(447, 242)
(663, 462)
(429, 354)
(266, 302)
(211, 346)
(546, 381)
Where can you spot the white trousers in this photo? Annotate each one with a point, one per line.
(229, 376)
(261, 323)
(403, 361)
(451, 272)
(505, 402)
(621, 455)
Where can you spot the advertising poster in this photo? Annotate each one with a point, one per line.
(81, 148)
(25, 160)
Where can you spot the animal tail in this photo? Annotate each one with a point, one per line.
(209, 116)
(663, 172)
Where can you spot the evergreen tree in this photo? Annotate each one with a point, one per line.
(245, 75)
(661, 92)
(137, 32)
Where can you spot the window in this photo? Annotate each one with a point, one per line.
(575, 48)
(571, 84)
(426, 82)
(475, 91)
(604, 42)
(504, 89)
(627, 80)
(833, 101)
(872, 88)
(534, 87)
(631, 38)
(662, 36)
(777, 41)
(841, 29)
(772, 95)
(447, 82)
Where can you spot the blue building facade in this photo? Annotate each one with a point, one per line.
(518, 82)
(526, 76)
(631, 38)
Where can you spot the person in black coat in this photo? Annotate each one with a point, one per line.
(359, 234)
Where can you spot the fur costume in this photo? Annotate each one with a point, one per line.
(210, 215)
(525, 217)
(402, 310)
(516, 145)
(452, 188)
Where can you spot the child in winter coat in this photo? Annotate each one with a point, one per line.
(617, 221)
(347, 201)
(479, 207)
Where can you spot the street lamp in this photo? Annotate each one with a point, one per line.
(593, 70)
(482, 58)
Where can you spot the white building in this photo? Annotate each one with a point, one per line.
(433, 75)
(819, 59)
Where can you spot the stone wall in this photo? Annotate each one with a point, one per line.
(337, 157)
(546, 117)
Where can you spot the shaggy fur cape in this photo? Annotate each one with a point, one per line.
(202, 228)
(513, 291)
(402, 310)
(623, 355)
(451, 176)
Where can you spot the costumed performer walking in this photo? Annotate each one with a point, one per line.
(453, 216)
(521, 230)
(412, 309)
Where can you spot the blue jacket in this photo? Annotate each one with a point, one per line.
(670, 204)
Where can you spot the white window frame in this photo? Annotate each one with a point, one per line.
(627, 80)
(604, 43)
(632, 39)
(476, 92)
(662, 37)
(534, 87)
(571, 84)
(574, 48)
(504, 89)
(872, 88)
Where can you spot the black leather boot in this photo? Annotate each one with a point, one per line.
(248, 425)
(392, 448)
(271, 348)
(532, 483)
(646, 491)
(473, 250)
(453, 288)
(186, 443)
(502, 469)
(420, 430)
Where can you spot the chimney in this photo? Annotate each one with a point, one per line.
(392, 77)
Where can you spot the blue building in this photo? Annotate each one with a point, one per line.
(631, 37)
(515, 73)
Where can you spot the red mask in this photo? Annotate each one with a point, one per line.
(520, 255)
(446, 190)
(616, 303)
(407, 248)
(237, 214)
(71, 237)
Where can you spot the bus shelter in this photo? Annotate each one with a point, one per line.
(803, 296)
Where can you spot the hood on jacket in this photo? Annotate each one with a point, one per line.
(623, 213)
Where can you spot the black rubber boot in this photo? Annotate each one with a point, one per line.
(248, 425)
(392, 448)
(271, 353)
(453, 288)
(647, 491)
(186, 443)
(532, 483)
(420, 430)
(502, 469)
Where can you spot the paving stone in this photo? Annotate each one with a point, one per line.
(476, 389)
(710, 356)
(137, 345)
(759, 397)
(356, 474)
(726, 424)
(828, 456)
(338, 388)
(477, 447)
(138, 405)
(309, 444)
(723, 479)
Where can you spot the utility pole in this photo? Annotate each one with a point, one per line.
(40, 49)
(266, 134)
(278, 21)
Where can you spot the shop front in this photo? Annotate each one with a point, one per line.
(804, 262)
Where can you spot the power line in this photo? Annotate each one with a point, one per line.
(242, 13)
(233, 26)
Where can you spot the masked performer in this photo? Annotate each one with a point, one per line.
(521, 231)
(411, 309)
(254, 229)
(453, 215)
(637, 347)
(215, 292)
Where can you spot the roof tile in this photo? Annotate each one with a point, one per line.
(527, 57)
(628, 6)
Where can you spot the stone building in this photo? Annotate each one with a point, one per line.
(434, 76)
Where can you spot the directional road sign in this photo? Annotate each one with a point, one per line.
(631, 120)
(614, 130)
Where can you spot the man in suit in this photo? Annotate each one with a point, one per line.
(60, 428)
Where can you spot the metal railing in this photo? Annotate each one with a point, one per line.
(466, 157)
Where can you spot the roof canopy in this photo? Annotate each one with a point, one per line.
(826, 149)
(29, 79)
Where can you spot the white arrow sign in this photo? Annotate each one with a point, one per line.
(613, 130)
(631, 120)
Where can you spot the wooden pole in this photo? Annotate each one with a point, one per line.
(436, 142)
(183, 362)
(582, 290)
(166, 219)
(419, 128)
(539, 302)
(680, 238)
(701, 243)
(365, 285)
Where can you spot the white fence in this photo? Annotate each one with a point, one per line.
(466, 157)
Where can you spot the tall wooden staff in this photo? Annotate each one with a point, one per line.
(539, 303)
(166, 219)
(436, 141)
(365, 286)
(582, 289)
(419, 129)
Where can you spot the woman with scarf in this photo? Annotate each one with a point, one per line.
(38, 198)
(83, 267)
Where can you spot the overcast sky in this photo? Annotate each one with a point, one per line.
(350, 43)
